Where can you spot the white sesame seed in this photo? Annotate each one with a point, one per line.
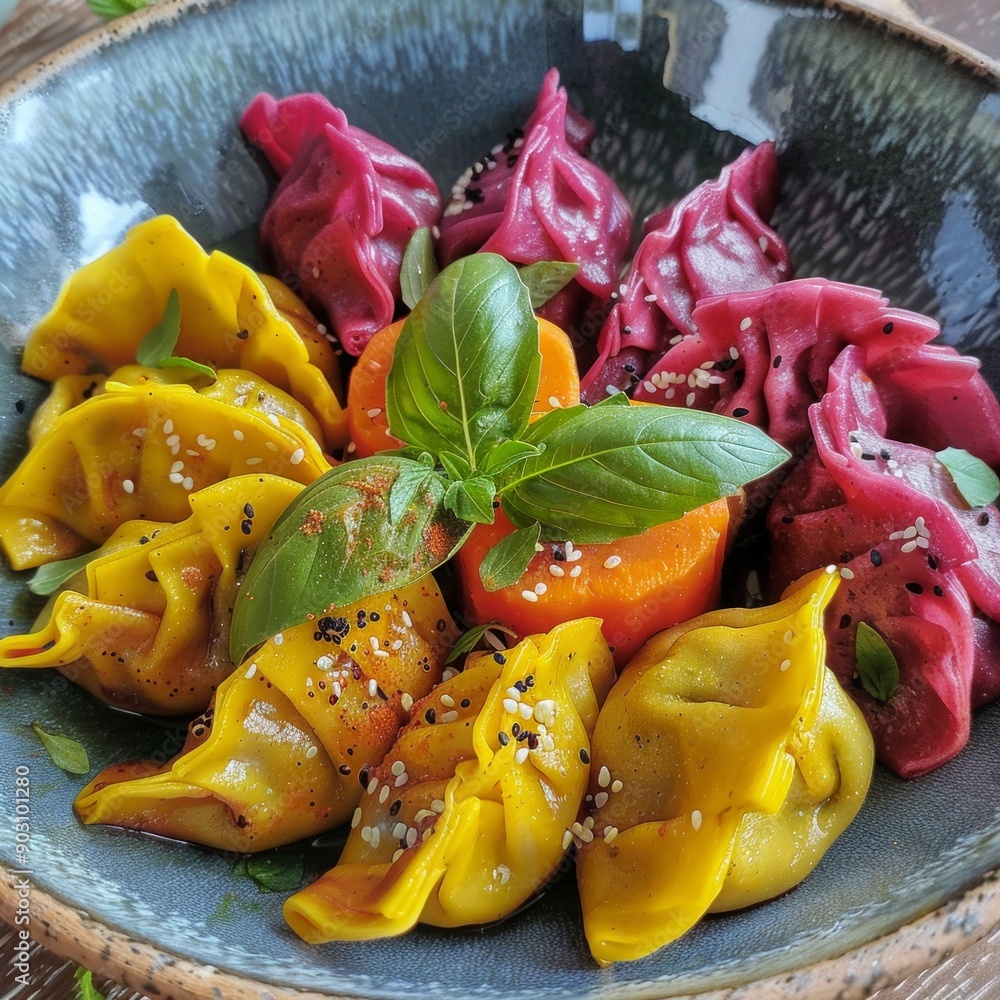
(908, 546)
(128, 486)
(238, 434)
(674, 341)
(324, 662)
(399, 831)
(910, 532)
(540, 588)
(788, 636)
(176, 467)
(670, 393)
(174, 441)
(407, 620)
(696, 819)
(374, 412)
(372, 688)
(168, 426)
(411, 836)
(569, 547)
(612, 562)
(526, 711)
(545, 711)
(437, 805)
(576, 571)
(521, 755)
(448, 673)
(611, 389)
(588, 823)
(366, 834)
(422, 814)
(600, 799)
(376, 837)
(188, 483)
(746, 323)
(270, 446)
(895, 536)
(514, 693)
(846, 573)
(250, 671)
(254, 461)
(649, 298)
(529, 595)
(784, 665)
(372, 785)
(556, 570)
(191, 453)
(734, 353)
(616, 785)
(447, 701)
(356, 818)
(396, 645)
(923, 541)
(311, 752)
(539, 547)
(689, 399)
(604, 776)
(402, 779)
(610, 833)
(510, 706)
(175, 477)
(762, 241)
(397, 854)
(384, 794)
(351, 448)
(575, 556)
(830, 570)
(140, 432)
(406, 701)
(555, 402)
(648, 386)
(398, 767)
(567, 839)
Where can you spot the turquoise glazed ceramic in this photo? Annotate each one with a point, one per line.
(890, 155)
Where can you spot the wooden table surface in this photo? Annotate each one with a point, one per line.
(37, 27)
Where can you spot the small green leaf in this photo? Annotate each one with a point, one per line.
(160, 342)
(616, 398)
(419, 267)
(472, 499)
(187, 363)
(506, 562)
(85, 988)
(49, 578)
(546, 278)
(876, 665)
(466, 366)
(279, 870)
(470, 640)
(109, 9)
(412, 479)
(337, 543)
(974, 479)
(455, 465)
(509, 453)
(609, 471)
(65, 753)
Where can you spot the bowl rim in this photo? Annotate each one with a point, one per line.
(62, 927)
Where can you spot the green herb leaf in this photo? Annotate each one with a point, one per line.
(974, 479)
(337, 543)
(109, 9)
(65, 753)
(546, 278)
(85, 988)
(187, 363)
(160, 342)
(876, 665)
(279, 870)
(472, 499)
(509, 453)
(49, 578)
(455, 465)
(419, 267)
(612, 471)
(411, 481)
(470, 640)
(506, 562)
(466, 366)
(156, 349)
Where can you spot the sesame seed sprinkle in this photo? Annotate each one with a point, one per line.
(746, 323)
(407, 621)
(576, 571)
(610, 833)
(128, 486)
(600, 799)
(384, 793)
(238, 434)
(696, 819)
(254, 461)
(784, 665)
(250, 671)
(356, 818)
(616, 785)
(540, 588)
(604, 776)
(530, 596)
(556, 570)
(406, 701)
(612, 562)
(447, 701)
(567, 839)
(521, 755)
(311, 752)
(554, 402)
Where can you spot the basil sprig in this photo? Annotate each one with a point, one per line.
(876, 665)
(973, 478)
(460, 393)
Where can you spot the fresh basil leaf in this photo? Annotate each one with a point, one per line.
(612, 471)
(412, 479)
(876, 665)
(160, 342)
(508, 453)
(49, 578)
(85, 988)
(472, 499)
(974, 479)
(466, 366)
(187, 363)
(455, 465)
(109, 9)
(506, 562)
(468, 641)
(278, 870)
(65, 753)
(336, 543)
(419, 267)
(616, 398)
(546, 278)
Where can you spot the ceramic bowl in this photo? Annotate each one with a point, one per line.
(890, 152)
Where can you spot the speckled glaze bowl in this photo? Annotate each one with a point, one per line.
(890, 150)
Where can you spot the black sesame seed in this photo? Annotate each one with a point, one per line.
(374, 617)
(584, 756)
(243, 334)
(938, 592)
(932, 561)
(500, 658)
(914, 588)
(626, 330)
(888, 328)
(465, 702)
(395, 807)
(885, 454)
(787, 518)
(431, 716)
(740, 411)
(344, 768)
(515, 729)
(876, 557)
(151, 576)
(983, 519)
(19, 406)
(867, 456)
(503, 738)
(846, 557)
(776, 363)
(529, 681)
(363, 777)
(629, 367)
(442, 625)
(246, 525)
(845, 621)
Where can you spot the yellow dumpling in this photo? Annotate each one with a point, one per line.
(279, 753)
(136, 452)
(230, 318)
(145, 626)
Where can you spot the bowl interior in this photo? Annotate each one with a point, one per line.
(889, 155)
